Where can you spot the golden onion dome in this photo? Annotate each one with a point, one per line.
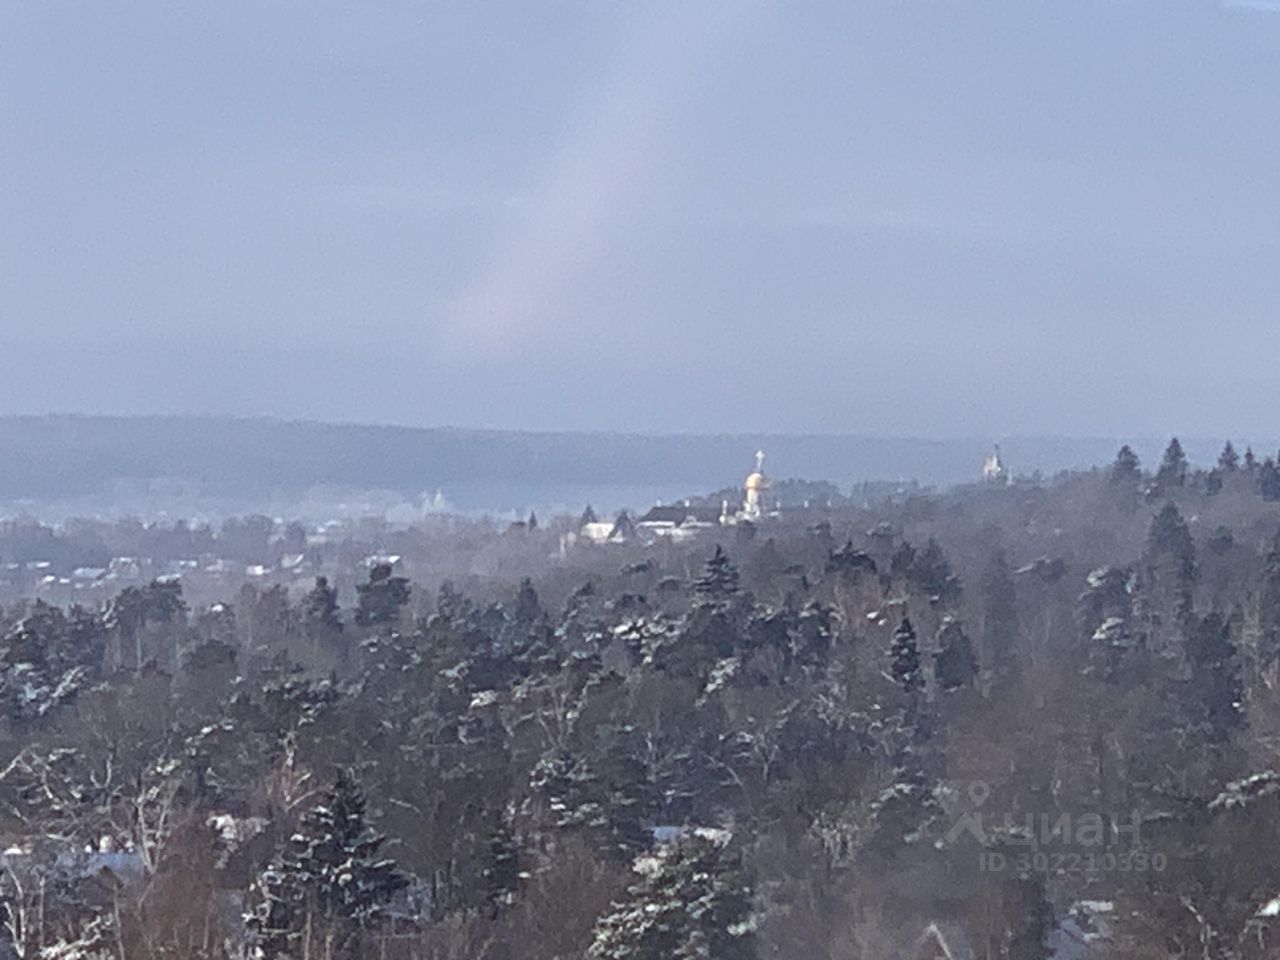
(756, 481)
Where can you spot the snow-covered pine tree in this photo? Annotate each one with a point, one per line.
(904, 658)
(906, 810)
(692, 902)
(330, 884)
(382, 598)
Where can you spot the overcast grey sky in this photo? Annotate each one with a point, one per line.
(914, 218)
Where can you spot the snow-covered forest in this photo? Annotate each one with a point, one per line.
(1021, 721)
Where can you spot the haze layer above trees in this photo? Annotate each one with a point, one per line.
(116, 464)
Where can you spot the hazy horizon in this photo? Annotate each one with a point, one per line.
(918, 219)
(1208, 446)
(164, 466)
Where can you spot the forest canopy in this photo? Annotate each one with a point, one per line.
(992, 721)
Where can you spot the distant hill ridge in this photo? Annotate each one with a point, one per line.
(44, 457)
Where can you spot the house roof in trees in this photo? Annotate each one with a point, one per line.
(662, 514)
(943, 941)
(679, 514)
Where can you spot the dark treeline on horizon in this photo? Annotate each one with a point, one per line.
(50, 458)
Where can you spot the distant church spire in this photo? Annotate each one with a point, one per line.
(994, 469)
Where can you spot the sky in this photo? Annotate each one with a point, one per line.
(928, 219)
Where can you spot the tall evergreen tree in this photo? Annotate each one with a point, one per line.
(1126, 470)
(930, 573)
(955, 664)
(381, 599)
(1173, 467)
(1215, 675)
(331, 886)
(999, 636)
(1229, 460)
(135, 608)
(502, 870)
(692, 902)
(905, 812)
(1269, 606)
(904, 658)
(1169, 537)
(1170, 576)
(320, 609)
(527, 608)
(1269, 480)
(719, 581)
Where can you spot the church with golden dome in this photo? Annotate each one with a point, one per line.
(756, 501)
(755, 492)
(683, 520)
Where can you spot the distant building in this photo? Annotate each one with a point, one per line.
(756, 489)
(678, 521)
(757, 504)
(606, 531)
(595, 531)
(994, 470)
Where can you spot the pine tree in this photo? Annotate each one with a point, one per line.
(1269, 606)
(999, 635)
(719, 581)
(527, 609)
(501, 873)
(693, 902)
(1173, 468)
(904, 658)
(1228, 460)
(1269, 480)
(955, 664)
(849, 561)
(451, 604)
(588, 516)
(906, 811)
(1215, 675)
(1169, 537)
(610, 804)
(129, 614)
(930, 573)
(1170, 576)
(330, 884)
(1126, 470)
(382, 598)
(320, 609)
